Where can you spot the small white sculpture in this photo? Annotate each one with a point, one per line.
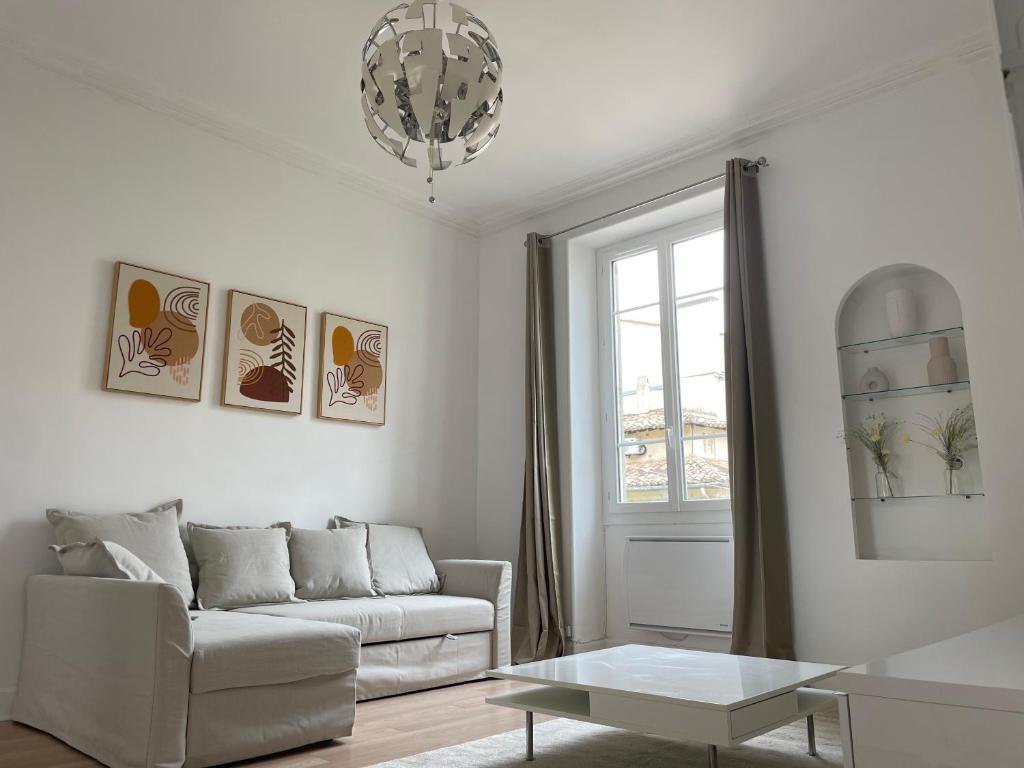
(874, 380)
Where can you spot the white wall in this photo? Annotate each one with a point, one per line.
(579, 409)
(921, 174)
(87, 181)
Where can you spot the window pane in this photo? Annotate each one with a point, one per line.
(636, 281)
(641, 386)
(700, 334)
(706, 461)
(700, 326)
(643, 473)
(699, 264)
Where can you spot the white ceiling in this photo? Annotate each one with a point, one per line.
(589, 85)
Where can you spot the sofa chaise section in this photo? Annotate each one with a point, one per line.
(105, 667)
(120, 670)
(261, 684)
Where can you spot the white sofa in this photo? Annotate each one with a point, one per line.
(124, 672)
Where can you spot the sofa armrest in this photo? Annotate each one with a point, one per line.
(105, 667)
(487, 580)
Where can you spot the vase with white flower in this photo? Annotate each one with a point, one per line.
(875, 433)
(949, 438)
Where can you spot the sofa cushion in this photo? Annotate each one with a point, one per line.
(103, 559)
(186, 540)
(151, 536)
(398, 558)
(330, 563)
(241, 566)
(236, 650)
(386, 619)
(377, 619)
(431, 615)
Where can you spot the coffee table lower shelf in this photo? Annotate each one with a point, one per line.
(712, 726)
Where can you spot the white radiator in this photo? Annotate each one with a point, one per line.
(680, 583)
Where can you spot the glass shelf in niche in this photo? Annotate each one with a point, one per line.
(926, 389)
(864, 347)
(964, 496)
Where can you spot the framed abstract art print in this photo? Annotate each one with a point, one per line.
(264, 353)
(353, 369)
(157, 333)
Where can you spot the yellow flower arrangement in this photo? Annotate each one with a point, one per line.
(874, 433)
(951, 436)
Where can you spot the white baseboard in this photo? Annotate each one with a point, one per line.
(592, 645)
(6, 703)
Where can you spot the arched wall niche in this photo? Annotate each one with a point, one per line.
(892, 330)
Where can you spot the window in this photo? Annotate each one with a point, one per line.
(663, 353)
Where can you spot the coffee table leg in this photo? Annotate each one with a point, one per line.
(529, 735)
(712, 756)
(811, 748)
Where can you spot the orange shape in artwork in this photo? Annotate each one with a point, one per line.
(143, 303)
(343, 345)
(259, 323)
(373, 373)
(182, 344)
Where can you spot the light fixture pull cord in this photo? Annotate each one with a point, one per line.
(430, 181)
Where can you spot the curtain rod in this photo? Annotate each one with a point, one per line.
(754, 165)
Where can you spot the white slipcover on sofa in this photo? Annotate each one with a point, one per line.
(124, 672)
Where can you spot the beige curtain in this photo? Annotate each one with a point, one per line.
(762, 613)
(537, 631)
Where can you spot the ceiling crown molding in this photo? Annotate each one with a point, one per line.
(127, 88)
(860, 87)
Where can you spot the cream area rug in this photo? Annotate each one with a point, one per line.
(572, 744)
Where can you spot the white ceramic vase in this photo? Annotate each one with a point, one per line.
(941, 367)
(901, 312)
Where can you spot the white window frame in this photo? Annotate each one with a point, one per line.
(677, 505)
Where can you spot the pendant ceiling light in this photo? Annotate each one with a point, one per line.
(431, 75)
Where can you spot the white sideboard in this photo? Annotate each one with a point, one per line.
(957, 703)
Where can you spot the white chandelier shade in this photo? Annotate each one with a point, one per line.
(431, 78)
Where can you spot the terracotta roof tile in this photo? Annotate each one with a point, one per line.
(655, 419)
(700, 470)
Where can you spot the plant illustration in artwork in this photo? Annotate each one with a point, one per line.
(875, 433)
(284, 343)
(143, 352)
(345, 385)
(949, 437)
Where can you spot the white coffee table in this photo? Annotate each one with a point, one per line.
(713, 698)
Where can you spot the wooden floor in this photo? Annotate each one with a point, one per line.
(385, 729)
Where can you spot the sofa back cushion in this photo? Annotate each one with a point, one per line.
(241, 566)
(398, 558)
(103, 559)
(151, 536)
(330, 563)
(193, 567)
